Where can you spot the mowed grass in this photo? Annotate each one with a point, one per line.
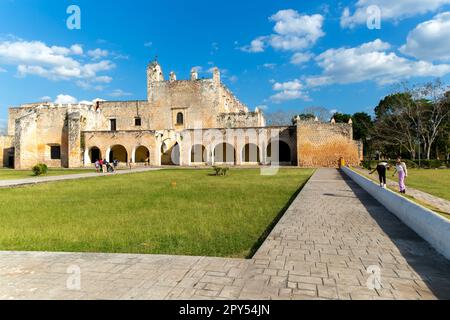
(10, 174)
(435, 182)
(183, 212)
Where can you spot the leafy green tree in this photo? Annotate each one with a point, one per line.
(342, 117)
(362, 125)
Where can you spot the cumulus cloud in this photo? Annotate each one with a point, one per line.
(52, 62)
(390, 10)
(430, 40)
(290, 90)
(370, 62)
(65, 99)
(292, 32)
(97, 53)
(300, 58)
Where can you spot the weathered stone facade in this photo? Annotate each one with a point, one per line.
(182, 122)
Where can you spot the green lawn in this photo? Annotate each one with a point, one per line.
(435, 182)
(10, 174)
(185, 212)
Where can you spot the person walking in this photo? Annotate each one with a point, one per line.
(381, 168)
(97, 166)
(402, 171)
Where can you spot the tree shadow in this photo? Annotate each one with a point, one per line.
(431, 266)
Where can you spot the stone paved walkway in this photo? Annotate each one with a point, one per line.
(320, 249)
(45, 179)
(438, 203)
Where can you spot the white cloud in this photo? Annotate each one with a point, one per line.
(119, 93)
(370, 62)
(97, 53)
(300, 58)
(257, 45)
(390, 10)
(65, 99)
(293, 31)
(76, 49)
(430, 40)
(290, 90)
(55, 62)
(46, 98)
(269, 65)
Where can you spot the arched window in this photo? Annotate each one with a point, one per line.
(180, 118)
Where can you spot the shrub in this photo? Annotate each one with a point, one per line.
(221, 171)
(40, 169)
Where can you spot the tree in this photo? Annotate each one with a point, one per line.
(393, 127)
(342, 117)
(432, 111)
(323, 114)
(279, 118)
(304, 117)
(416, 115)
(362, 125)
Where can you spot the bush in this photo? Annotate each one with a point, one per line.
(221, 171)
(40, 169)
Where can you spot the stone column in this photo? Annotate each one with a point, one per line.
(74, 137)
(25, 143)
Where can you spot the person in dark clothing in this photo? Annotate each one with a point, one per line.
(381, 168)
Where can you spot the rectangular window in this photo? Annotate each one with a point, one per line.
(113, 125)
(55, 152)
(137, 122)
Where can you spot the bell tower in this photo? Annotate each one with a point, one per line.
(154, 75)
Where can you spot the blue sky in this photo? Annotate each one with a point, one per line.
(281, 55)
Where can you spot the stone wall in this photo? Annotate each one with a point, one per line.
(239, 120)
(323, 144)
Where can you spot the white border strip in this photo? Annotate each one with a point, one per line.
(426, 223)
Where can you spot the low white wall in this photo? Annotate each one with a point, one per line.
(426, 223)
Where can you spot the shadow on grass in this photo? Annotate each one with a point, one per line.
(274, 222)
(432, 267)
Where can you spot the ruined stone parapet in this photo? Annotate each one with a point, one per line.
(323, 144)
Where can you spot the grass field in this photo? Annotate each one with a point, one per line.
(10, 174)
(435, 182)
(185, 212)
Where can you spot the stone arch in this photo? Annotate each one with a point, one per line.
(198, 154)
(141, 154)
(251, 153)
(225, 153)
(170, 155)
(94, 154)
(284, 152)
(118, 152)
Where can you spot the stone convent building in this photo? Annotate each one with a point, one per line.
(195, 122)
